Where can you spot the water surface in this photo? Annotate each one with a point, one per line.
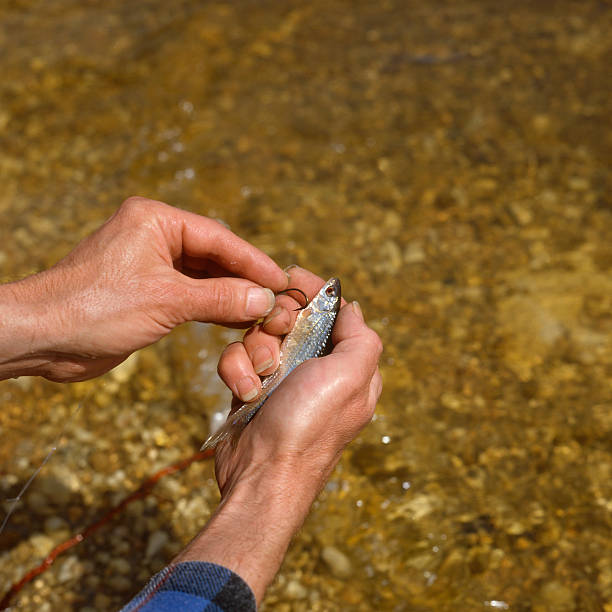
(450, 163)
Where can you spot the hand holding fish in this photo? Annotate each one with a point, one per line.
(149, 268)
(271, 476)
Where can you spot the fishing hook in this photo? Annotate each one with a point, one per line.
(299, 291)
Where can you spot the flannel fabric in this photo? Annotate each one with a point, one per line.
(194, 586)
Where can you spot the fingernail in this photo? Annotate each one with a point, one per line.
(259, 302)
(357, 309)
(288, 269)
(247, 390)
(273, 314)
(262, 359)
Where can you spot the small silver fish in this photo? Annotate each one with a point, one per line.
(310, 337)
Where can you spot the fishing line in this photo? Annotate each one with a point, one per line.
(14, 501)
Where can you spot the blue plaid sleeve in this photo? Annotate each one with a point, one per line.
(194, 586)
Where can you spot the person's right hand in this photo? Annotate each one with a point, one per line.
(318, 409)
(269, 479)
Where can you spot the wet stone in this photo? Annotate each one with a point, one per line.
(157, 541)
(337, 562)
(295, 590)
(71, 569)
(554, 595)
(458, 185)
(120, 565)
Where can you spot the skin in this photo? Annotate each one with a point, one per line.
(151, 267)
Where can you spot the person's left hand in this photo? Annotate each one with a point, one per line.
(149, 268)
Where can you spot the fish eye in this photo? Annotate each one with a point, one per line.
(329, 291)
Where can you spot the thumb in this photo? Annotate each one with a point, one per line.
(226, 300)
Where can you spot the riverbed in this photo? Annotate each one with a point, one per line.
(450, 162)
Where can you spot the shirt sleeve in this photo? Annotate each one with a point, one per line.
(194, 586)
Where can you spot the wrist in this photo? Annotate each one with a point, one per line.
(253, 526)
(24, 342)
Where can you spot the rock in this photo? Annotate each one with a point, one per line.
(521, 213)
(120, 584)
(414, 253)
(556, 596)
(485, 185)
(295, 590)
(421, 505)
(41, 544)
(157, 540)
(56, 523)
(337, 562)
(541, 123)
(578, 183)
(102, 601)
(120, 565)
(71, 569)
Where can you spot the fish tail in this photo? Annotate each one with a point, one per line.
(232, 428)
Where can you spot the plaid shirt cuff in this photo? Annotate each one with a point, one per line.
(194, 586)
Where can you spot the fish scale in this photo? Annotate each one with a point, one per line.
(309, 338)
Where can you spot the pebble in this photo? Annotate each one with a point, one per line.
(296, 590)
(337, 562)
(157, 541)
(421, 505)
(521, 213)
(120, 584)
(538, 353)
(56, 523)
(485, 185)
(71, 569)
(414, 253)
(541, 123)
(556, 596)
(102, 601)
(578, 183)
(41, 544)
(120, 565)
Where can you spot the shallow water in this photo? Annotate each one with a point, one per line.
(450, 163)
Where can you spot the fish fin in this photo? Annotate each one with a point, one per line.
(232, 428)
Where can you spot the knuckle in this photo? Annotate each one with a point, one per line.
(223, 297)
(135, 204)
(224, 365)
(375, 342)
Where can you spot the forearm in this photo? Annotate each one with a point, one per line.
(23, 315)
(254, 524)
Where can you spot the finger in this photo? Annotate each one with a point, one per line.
(282, 317)
(224, 300)
(206, 238)
(236, 371)
(196, 237)
(263, 350)
(353, 338)
(305, 280)
(201, 268)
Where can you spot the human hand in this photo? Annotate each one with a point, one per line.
(270, 478)
(149, 268)
(319, 408)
